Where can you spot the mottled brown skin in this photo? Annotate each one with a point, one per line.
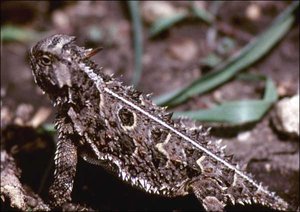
(121, 130)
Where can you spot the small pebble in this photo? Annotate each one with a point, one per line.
(244, 136)
(286, 118)
(253, 12)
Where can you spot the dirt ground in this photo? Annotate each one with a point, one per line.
(271, 157)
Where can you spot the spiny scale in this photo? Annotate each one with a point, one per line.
(121, 130)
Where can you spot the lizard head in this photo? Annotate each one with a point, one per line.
(52, 61)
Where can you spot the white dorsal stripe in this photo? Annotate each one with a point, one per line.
(183, 136)
(97, 81)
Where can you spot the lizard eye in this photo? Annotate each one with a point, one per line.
(46, 60)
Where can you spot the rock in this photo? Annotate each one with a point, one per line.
(23, 113)
(286, 117)
(154, 10)
(183, 49)
(244, 136)
(18, 196)
(253, 12)
(40, 117)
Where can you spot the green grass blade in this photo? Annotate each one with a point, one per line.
(138, 40)
(231, 112)
(11, 33)
(236, 112)
(203, 14)
(46, 128)
(228, 69)
(270, 91)
(165, 23)
(211, 60)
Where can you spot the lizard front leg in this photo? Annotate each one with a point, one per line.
(65, 169)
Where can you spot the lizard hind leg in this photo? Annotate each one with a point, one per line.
(205, 192)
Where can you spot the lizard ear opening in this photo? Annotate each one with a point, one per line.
(91, 52)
